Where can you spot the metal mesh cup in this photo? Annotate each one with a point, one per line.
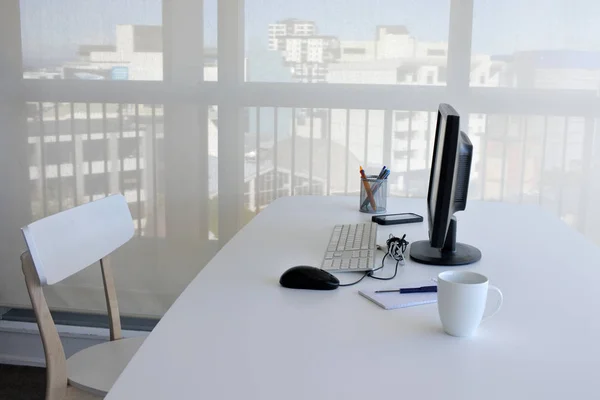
(373, 195)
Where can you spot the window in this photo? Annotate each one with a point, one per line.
(377, 70)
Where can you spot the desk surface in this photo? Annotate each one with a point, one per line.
(234, 333)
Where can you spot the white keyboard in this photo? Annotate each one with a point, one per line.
(351, 248)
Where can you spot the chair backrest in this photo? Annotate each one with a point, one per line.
(61, 245)
(65, 243)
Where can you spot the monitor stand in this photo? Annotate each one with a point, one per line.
(451, 254)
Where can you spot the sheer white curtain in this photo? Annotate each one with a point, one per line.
(202, 113)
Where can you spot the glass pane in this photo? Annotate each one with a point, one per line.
(81, 152)
(534, 159)
(349, 41)
(536, 44)
(95, 39)
(303, 151)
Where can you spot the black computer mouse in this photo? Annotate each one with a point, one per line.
(305, 277)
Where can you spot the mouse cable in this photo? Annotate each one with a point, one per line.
(363, 277)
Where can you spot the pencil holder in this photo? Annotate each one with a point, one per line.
(373, 195)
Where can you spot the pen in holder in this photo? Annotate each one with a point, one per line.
(373, 195)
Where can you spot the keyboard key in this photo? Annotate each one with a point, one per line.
(351, 247)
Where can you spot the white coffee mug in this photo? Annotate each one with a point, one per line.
(462, 296)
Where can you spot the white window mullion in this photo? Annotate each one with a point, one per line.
(183, 41)
(14, 155)
(230, 39)
(186, 138)
(14, 169)
(459, 53)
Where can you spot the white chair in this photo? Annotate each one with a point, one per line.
(59, 246)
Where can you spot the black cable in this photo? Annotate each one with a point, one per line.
(396, 248)
(354, 283)
(386, 278)
(363, 277)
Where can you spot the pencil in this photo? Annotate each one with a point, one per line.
(368, 188)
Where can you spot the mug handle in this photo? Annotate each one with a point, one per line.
(494, 288)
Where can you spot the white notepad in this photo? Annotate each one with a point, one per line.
(392, 301)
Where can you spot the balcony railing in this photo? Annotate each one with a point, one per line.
(83, 151)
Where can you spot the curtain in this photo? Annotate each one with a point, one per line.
(203, 113)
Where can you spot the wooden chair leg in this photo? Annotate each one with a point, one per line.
(56, 362)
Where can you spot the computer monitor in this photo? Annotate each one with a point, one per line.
(448, 187)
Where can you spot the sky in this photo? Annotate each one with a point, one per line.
(52, 29)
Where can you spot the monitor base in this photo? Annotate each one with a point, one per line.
(423, 253)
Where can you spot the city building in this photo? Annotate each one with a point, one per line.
(137, 55)
(290, 27)
(306, 53)
(394, 42)
(553, 69)
(393, 58)
(356, 51)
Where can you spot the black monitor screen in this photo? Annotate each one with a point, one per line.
(434, 178)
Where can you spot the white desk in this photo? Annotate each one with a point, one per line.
(236, 334)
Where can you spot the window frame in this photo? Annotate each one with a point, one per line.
(183, 83)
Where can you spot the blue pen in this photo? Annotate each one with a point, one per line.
(422, 289)
(380, 176)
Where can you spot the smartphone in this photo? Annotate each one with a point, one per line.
(393, 219)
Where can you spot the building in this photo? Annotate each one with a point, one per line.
(306, 53)
(394, 58)
(136, 55)
(394, 42)
(553, 69)
(356, 51)
(289, 28)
